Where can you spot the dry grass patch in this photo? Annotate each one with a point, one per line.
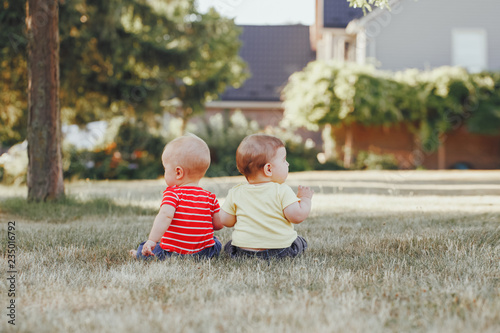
(375, 263)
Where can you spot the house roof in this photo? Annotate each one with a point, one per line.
(337, 13)
(272, 53)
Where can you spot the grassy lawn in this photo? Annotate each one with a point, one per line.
(388, 252)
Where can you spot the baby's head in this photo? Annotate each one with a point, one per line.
(255, 151)
(188, 152)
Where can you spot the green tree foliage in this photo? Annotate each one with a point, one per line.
(132, 57)
(214, 66)
(485, 115)
(334, 93)
(431, 103)
(13, 73)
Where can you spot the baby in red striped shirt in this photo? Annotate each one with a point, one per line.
(188, 214)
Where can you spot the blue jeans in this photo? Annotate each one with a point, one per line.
(298, 247)
(161, 254)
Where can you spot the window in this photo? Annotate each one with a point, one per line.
(469, 49)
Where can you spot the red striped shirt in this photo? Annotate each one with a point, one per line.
(191, 229)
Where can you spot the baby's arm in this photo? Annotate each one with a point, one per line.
(216, 221)
(160, 225)
(298, 211)
(227, 219)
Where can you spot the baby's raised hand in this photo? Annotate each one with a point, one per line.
(305, 192)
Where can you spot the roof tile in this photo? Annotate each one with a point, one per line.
(337, 13)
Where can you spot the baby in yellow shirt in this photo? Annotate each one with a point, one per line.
(264, 210)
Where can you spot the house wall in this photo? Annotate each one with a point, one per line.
(459, 146)
(418, 34)
(396, 140)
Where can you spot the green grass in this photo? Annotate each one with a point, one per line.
(68, 209)
(375, 263)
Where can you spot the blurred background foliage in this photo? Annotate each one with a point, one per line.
(122, 57)
(131, 62)
(133, 150)
(431, 102)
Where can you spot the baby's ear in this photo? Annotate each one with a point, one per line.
(179, 172)
(268, 170)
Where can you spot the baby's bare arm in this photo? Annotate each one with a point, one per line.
(162, 222)
(216, 222)
(227, 220)
(160, 225)
(299, 211)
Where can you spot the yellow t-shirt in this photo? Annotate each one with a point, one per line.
(260, 222)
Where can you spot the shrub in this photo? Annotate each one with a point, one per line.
(366, 160)
(223, 133)
(135, 153)
(431, 103)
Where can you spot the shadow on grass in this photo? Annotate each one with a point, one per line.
(68, 209)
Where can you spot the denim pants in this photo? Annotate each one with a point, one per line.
(161, 254)
(298, 246)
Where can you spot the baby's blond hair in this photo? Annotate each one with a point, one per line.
(189, 152)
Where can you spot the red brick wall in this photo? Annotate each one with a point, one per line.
(480, 151)
(459, 146)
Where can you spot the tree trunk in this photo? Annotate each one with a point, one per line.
(45, 173)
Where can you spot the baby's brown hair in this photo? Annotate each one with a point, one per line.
(255, 151)
(190, 152)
